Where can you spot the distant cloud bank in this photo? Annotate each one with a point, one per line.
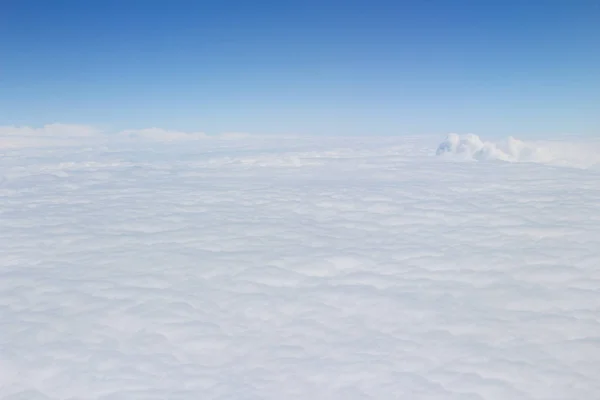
(578, 153)
(74, 135)
(471, 147)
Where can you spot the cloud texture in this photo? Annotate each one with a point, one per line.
(297, 269)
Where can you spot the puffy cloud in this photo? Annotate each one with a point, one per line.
(471, 147)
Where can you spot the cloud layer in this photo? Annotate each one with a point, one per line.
(467, 147)
(304, 269)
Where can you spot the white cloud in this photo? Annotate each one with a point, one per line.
(49, 130)
(69, 135)
(157, 134)
(294, 269)
(48, 135)
(471, 147)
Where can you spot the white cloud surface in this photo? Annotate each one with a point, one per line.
(294, 269)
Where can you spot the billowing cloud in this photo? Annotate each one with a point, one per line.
(471, 147)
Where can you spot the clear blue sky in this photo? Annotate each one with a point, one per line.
(315, 67)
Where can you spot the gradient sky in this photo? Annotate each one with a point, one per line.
(505, 67)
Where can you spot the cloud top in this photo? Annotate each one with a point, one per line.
(472, 147)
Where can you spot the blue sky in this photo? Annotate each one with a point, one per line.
(314, 67)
